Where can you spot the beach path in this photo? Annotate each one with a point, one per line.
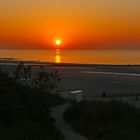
(67, 131)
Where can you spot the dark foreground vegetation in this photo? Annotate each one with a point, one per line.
(101, 120)
(25, 105)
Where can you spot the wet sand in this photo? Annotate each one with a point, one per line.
(97, 79)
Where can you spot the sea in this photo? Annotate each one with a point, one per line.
(116, 57)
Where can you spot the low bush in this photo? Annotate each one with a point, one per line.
(25, 111)
(100, 120)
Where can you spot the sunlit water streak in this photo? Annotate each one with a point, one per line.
(58, 56)
(112, 73)
(76, 56)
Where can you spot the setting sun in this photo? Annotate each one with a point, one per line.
(58, 42)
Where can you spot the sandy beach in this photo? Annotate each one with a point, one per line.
(92, 80)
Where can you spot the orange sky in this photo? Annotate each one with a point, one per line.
(80, 24)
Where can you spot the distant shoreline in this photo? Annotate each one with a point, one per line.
(15, 61)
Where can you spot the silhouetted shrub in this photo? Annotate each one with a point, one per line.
(25, 110)
(104, 120)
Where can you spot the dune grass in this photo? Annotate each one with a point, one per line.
(100, 120)
(25, 109)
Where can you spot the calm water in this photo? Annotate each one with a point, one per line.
(76, 56)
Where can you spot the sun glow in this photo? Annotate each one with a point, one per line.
(58, 42)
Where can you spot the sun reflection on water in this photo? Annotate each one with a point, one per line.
(57, 56)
